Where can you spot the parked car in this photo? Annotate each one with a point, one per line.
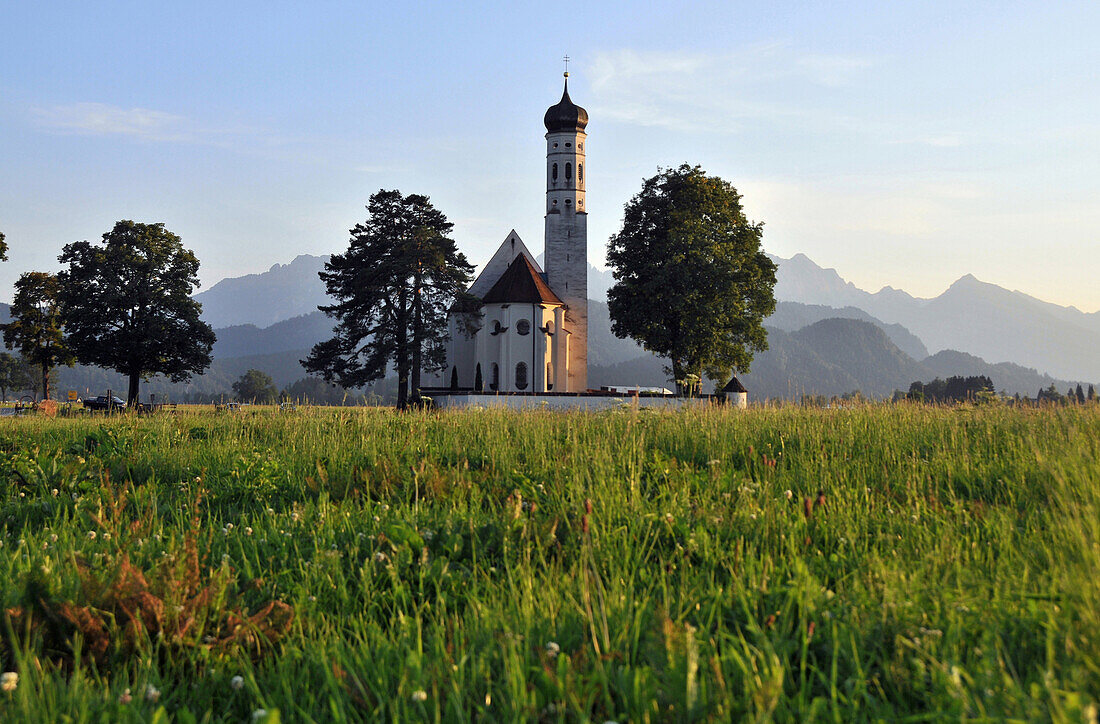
(100, 403)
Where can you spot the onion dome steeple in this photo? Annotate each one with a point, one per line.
(565, 115)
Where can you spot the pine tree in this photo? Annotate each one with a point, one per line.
(393, 288)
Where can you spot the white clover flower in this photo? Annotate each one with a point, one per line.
(8, 681)
(152, 693)
(229, 526)
(552, 649)
(420, 695)
(236, 683)
(427, 535)
(788, 493)
(379, 557)
(55, 492)
(259, 714)
(91, 534)
(376, 519)
(225, 531)
(125, 697)
(385, 507)
(106, 536)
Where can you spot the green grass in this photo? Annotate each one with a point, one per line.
(952, 572)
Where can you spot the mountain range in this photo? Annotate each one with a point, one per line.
(826, 336)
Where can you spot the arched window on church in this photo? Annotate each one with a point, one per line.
(568, 171)
(554, 172)
(494, 383)
(580, 172)
(549, 376)
(521, 376)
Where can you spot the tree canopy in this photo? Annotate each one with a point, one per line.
(3, 248)
(127, 304)
(36, 326)
(692, 283)
(15, 375)
(953, 389)
(393, 286)
(255, 386)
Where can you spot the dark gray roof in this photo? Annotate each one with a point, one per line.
(734, 385)
(521, 284)
(565, 115)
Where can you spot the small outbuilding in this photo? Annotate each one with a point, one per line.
(735, 394)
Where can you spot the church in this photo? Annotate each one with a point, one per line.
(528, 330)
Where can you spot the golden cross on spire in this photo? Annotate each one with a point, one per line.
(566, 59)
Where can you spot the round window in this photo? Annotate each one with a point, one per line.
(523, 327)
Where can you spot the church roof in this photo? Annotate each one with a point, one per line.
(565, 115)
(512, 247)
(521, 284)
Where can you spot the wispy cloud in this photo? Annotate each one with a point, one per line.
(700, 91)
(101, 119)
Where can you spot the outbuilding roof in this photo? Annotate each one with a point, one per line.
(521, 284)
(734, 385)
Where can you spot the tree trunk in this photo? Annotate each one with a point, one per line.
(45, 381)
(417, 340)
(132, 394)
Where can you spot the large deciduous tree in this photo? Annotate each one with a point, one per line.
(692, 283)
(255, 386)
(15, 375)
(393, 288)
(36, 326)
(127, 304)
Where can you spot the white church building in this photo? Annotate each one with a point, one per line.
(532, 332)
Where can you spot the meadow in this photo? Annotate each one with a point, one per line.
(896, 563)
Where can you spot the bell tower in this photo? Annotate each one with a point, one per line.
(567, 227)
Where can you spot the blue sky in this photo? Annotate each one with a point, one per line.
(901, 143)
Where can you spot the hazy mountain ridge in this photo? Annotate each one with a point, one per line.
(974, 316)
(282, 292)
(793, 316)
(829, 359)
(835, 356)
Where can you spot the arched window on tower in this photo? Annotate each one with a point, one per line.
(549, 376)
(568, 171)
(494, 383)
(580, 172)
(521, 376)
(554, 172)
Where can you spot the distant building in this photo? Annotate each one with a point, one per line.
(532, 332)
(735, 393)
